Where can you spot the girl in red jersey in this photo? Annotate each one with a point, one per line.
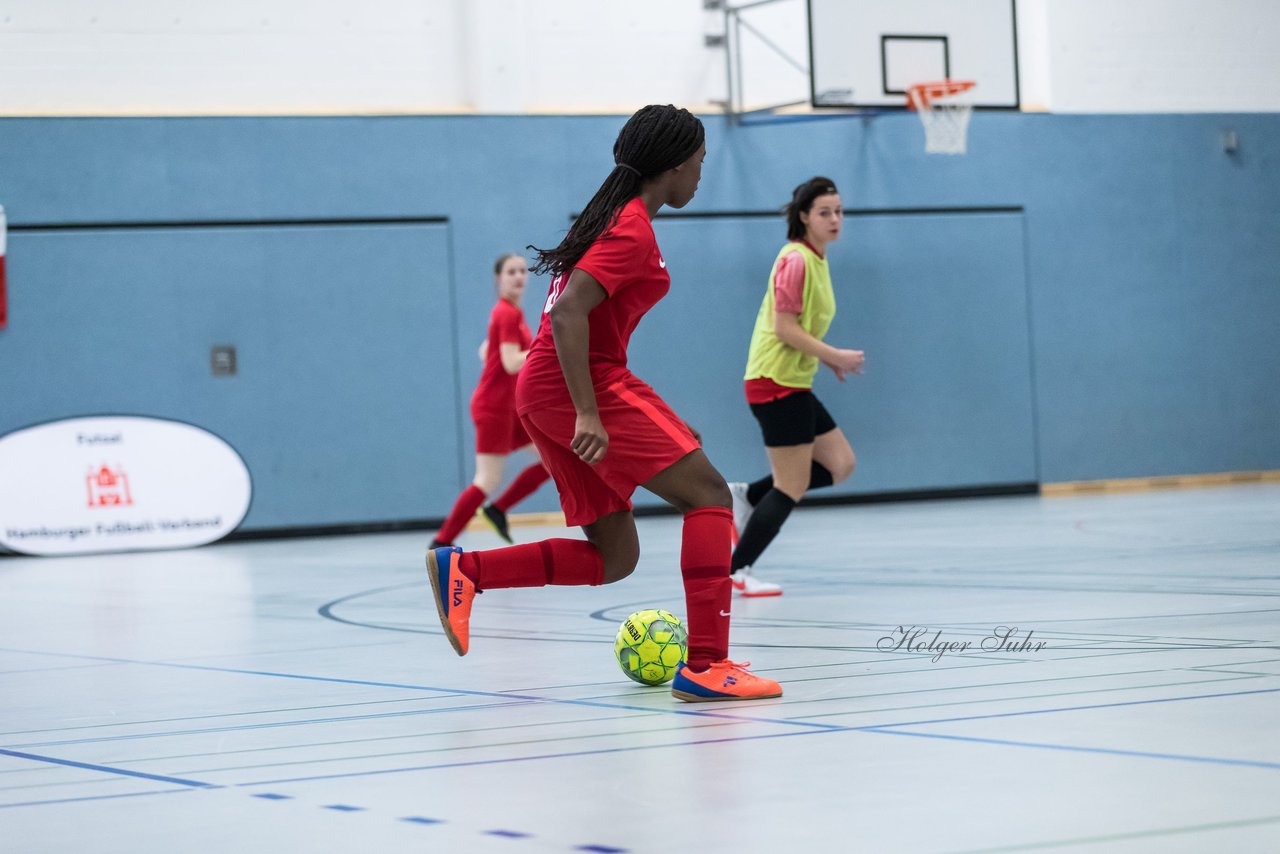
(493, 410)
(602, 432)
(806, 448)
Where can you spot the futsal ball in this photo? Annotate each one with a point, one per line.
(650, 646)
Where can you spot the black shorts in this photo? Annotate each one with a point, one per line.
(793, 420)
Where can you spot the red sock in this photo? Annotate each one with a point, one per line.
(522, 487)
(463, 509)
(704, 563)
(560, 562)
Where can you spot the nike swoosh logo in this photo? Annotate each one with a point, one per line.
(724, 613)
(662, 262)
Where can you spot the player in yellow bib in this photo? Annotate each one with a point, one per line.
(806, 449)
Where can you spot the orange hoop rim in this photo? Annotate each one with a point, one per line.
(927, 92)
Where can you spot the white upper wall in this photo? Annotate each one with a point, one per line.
(228, 56)
(1164, 55)
(105, 57)
(109, 57)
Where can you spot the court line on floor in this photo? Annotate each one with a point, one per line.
(403, 755)
(326, 612)
(56, 801)
(1122, 619)
(399, 737)
(499, 695)
(274, 724)
(1130, 591)
(1118, 837)
(882, 729)
(156, 721)
(869, 727)
(1181, 757)
(1002, 699)
(1090, 707)
(516, 759)
(198, 784)
(813, 728)
(555, 723)
(123, 772)
(653, 709)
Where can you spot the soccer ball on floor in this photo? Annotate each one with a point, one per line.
(650, 646)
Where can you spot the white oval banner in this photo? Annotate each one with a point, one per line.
(118, 483)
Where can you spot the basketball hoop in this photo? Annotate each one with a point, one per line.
(944, 111)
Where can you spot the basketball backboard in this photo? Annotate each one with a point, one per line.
(865, 53)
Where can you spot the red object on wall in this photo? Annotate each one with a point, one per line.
(4, 301)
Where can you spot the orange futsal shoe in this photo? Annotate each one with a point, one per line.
(723, 680)
(454, 594)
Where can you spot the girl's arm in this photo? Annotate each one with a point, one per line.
(789, 331)
(512, 356)
(571, 333)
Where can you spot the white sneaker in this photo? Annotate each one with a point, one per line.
(742, 509)
(746, 584)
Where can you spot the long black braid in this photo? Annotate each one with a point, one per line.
(655, 139)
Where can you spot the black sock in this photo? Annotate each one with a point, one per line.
(759, 489)
(765, 523)
(818, 478)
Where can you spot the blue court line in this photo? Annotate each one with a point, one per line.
(406, 755)
(84, 798)
(1181, 757)
(813, 728)
(108, 770)
(513, 759)
(1069, 708)
(452, 691)
(1003, 701)
(1123, 836)
(886, 729)
(345, 742)
(157, 721)
(274, 724)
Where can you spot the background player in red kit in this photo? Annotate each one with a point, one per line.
(601, 431)
(499, 432)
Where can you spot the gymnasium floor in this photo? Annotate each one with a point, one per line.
(296, 695)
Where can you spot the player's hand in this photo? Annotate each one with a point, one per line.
(590, 441)
(846, 362)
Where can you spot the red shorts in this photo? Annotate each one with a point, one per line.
(645, 437)
(498, 431)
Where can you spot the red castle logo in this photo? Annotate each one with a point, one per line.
(108, 488)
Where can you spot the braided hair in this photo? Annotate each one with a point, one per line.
(802, 198)
(655, 139)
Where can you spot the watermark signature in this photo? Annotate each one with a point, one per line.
(923, 639)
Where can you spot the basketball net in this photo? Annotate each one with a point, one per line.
(944, 108)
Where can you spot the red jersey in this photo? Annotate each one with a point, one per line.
(626, 262)
(497, 388)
